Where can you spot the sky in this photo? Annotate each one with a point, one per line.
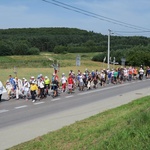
(122, 17)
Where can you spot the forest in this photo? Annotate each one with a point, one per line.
(32, 41)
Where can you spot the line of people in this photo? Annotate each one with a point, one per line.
(40, 87)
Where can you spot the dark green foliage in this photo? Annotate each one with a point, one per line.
(60, 49)
(5, 49)
(139, 55)
(28, 41)
(135, 56)
(78, 49)
(21, 49)
(100, 57)
(33, 51)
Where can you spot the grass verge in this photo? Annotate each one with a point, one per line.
(27, 66)
(124, 128)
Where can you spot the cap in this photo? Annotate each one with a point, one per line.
(63, 74)
(33, 82)
(7, 80)
(38, 76)
(32, 77)
(23, 78)
(53, 74)
(46, 77)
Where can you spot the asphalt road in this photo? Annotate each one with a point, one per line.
(21, 120)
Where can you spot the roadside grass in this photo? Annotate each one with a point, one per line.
(28, 66)
(42, 60)
(124, 128)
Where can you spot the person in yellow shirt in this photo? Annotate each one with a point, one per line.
(33, 89)
(47, 85)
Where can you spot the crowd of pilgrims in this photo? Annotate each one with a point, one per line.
(41, 87)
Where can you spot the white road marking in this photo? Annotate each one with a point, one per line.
(21, 107)
(4, 110)
(55, 99)
(69, 96)
(38, 103)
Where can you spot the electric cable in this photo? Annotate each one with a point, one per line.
(94, 15)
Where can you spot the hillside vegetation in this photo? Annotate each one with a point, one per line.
(32, 41)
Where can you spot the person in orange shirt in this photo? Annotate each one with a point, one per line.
(135, 73)
(130, 71)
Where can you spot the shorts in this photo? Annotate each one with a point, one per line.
(54, 87)
(64, 86)
(47, 86)
(80, 83)
(70, 86)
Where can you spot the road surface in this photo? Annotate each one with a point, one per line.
(21, 120)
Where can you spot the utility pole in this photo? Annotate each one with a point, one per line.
(108, 54)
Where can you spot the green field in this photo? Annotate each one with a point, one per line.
(124, 128)
(27, 66)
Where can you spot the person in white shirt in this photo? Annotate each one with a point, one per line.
(41, 86)
(141, 73)
(9, 88)
(1, 90)
(81, 84)
(26, 89)
(19, 86)
(125, 74)
(63, 81)
(102, 76)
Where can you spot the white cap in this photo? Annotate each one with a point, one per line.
(32, 77)
(63, 73)
(46, 77)
(33, 82)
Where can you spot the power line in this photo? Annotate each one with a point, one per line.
(132, 31)
(97, 14)
(94, 15)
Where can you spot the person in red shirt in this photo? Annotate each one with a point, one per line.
(70, 83)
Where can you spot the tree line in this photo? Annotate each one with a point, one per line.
(32, 41)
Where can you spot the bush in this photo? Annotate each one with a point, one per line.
(5, 49)
(33, 51)
(99, 57)
(60, 49)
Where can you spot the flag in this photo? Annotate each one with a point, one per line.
(104, 59)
